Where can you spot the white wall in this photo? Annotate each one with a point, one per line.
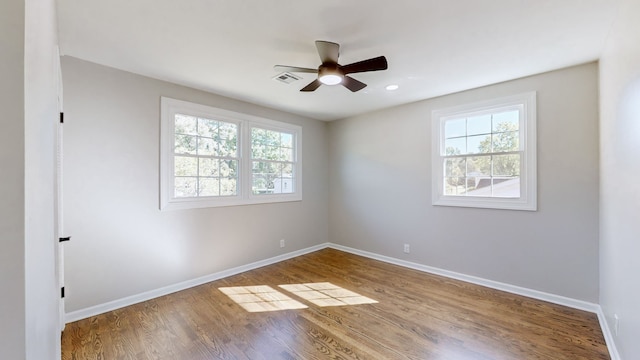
(30, 326)
(122, 244)
(380, 191)
(41, 117)
(620, 176)
(12, 308)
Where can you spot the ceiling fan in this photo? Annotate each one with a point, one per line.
(332, 73)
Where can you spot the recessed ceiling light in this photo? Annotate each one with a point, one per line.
(392, 87)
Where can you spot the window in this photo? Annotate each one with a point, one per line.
(484, 154)
(213, 157)
(272, 161)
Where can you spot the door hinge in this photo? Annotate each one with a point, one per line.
(61, 118)
(64, 239)
(62, 292)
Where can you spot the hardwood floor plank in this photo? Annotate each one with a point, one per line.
(417, 316)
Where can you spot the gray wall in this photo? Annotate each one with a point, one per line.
(123, 244)
(620, 175)
(380, 191)
(12, 308)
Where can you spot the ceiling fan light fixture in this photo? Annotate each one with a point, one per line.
(330, 74)
(330, 79)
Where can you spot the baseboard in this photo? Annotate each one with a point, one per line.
(556, 299)
(535, 294)
(608, 335)
(134, 299)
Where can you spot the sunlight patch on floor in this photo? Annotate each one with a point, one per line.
(327, 294)
(261, 298)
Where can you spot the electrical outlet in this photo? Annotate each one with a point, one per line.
(281, 243)
(407, 249)
(616, 324)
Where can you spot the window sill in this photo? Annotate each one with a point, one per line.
(198, 203)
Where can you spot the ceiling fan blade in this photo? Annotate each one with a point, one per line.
(312, 86)
(286, 68)
(353, 84)
(374, 64)
(328, 51)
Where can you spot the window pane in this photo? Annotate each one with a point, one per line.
(265, 144)
(478, 175)
(455, 146)
(185, 124)
(455, 167)
(454, 185)
(479, 144)
(283, 185)
(228, 138)
(185, 187)
(207, 146)
(259, 179)
(506, 121)
(257, 151)
(209, 167)
(272, 138)
(185, 166)
(207, 127)
(479, 187)
(268, 177)
(209, 187)
(271, 153)
(228, 186)
(284, 182)
(286, 154)
(275, 169)
(506, 141)
(286, 140)
(479, 166)
(506, 188)
(506, 165)
(455, 128)
(228, 147)
(229, 168)
(265, 137)
(185, 144)
(257, 136)
(479, 125)
(287, 185)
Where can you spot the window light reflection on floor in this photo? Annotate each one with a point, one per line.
(261, 298)
(327, 294)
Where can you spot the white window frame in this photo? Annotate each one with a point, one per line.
(170, 107)
(526, 103)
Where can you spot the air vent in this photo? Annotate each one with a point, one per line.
(287, 78)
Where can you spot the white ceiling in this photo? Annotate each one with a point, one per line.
(434, 47)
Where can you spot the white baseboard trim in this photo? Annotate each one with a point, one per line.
(134, 299)
(608, 335)
(535, 294)
(556, 299)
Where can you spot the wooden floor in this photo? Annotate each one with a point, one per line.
(417, 316)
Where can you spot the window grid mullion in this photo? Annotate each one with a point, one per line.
(482, 154)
